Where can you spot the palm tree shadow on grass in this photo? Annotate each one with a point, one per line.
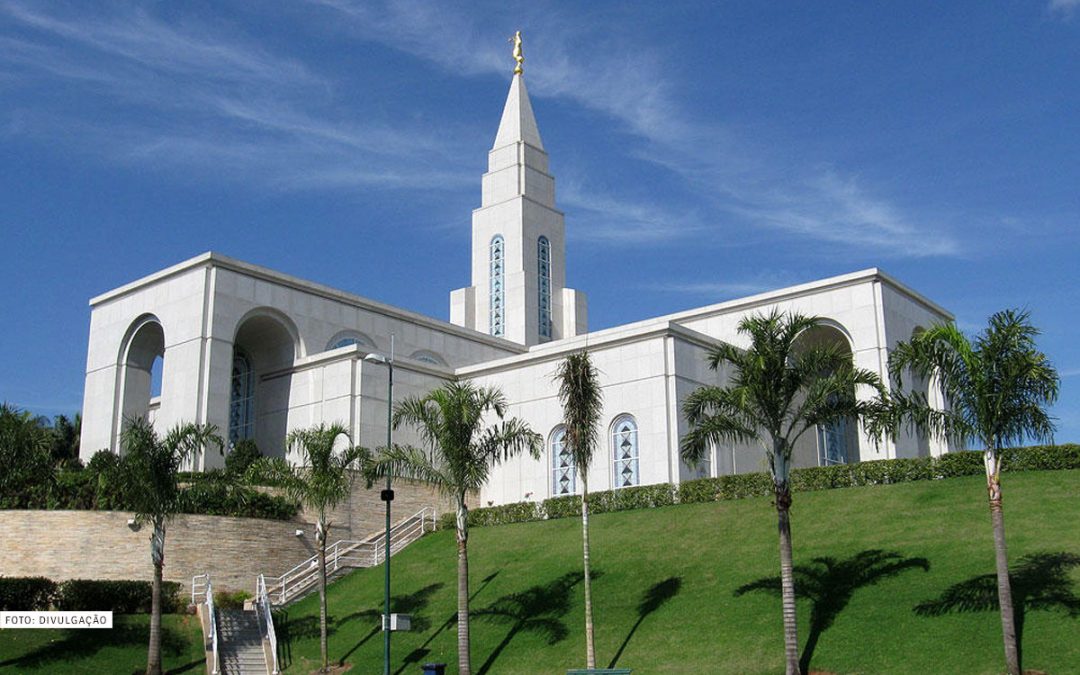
(411, 604)
(416, 655)
(81, 644)
(307, 627)
(538, 609)
(655, 596)
(1039, 581)
(829, 584)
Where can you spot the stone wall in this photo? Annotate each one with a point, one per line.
(234, 551)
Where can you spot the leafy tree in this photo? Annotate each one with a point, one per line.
(778, 390)
(997, 388)
(583, 404)
(25, 467)
(64, 440)
(241, 457)
(320, 481)
(149, 474)
(459, 454)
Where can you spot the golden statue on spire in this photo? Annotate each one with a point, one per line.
(519, 57)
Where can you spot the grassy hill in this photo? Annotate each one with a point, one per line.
(685, 589)
(897, 575)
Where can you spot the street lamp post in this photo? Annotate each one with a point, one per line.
(387, 495)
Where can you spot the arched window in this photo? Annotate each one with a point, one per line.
(497, 300)
(428, 357)
(624, 451)
(241, 399)
(543, 265)
(350, 338)
(563, 471)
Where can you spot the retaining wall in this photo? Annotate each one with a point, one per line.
(234, 551)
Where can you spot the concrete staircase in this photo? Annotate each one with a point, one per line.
(241, 642)
(344, 556)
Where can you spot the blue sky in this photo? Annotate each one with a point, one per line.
(702, 151)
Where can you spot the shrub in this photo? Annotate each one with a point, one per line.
(562, 507)
(26, 594)
(242, 456)
(219, 497)
(121, 597)
(520, 512)
(624, 499)
(740, 486)
(234, 600)
(447, 521)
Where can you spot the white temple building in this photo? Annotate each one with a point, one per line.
(259, 353)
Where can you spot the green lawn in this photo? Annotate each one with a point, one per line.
(667, 594)
(119, 651)
(666, 588)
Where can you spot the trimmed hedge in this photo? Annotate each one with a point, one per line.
(26, 594)
(121, 597)
(741, 486)
(83, 595)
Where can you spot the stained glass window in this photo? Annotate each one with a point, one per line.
(624, 451)
(497, 300)
(543, 255)
(832, 443)
(241, 399)
(563, 473)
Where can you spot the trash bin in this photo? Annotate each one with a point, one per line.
(434, 668)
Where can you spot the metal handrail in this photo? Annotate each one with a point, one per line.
(198, 587)
(351, 553)
(212, 614)
(263, 609)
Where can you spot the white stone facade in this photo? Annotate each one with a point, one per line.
(257, 353)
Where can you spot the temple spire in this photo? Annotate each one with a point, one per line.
(518, 125)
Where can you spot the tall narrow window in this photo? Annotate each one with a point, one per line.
(624, 451)
(497, 300)
(241, 399)
(563, 471)
(832, 443)
(543, 260)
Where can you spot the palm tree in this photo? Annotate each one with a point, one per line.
(320, 481)
(997, 388)
(459, 454)
(583, 404)
(778, 390)
(24, 456)
(148, 472)
(65, 439)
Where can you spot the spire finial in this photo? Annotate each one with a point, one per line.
(519, 57)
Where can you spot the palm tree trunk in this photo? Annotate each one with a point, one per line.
(464, 658)
(157, 556)
(590, 649)
(153, 659)
(787, 579)
(997, 519)
(322, 600)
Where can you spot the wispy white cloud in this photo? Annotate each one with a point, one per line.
(1064, 6)
(1069, 372)
(186, 94)
(602, 217)
(221, 102)
(633, 88)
